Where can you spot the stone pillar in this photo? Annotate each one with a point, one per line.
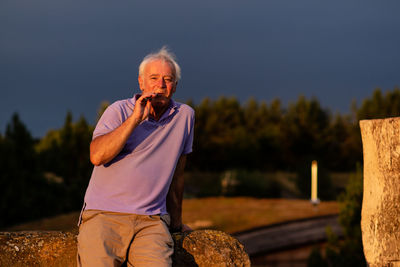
(58, 249)
(380, 216)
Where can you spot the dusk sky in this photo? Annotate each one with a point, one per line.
(63, 55)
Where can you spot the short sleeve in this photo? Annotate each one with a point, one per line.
(109, 121)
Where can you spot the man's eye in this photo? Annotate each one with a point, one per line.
(153, 78)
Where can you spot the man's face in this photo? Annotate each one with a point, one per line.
(158, 77)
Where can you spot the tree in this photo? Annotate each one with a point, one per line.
(24, 193)
(380, 106)
(103, 106)
(270, 139)
(343, 144)
(349, 250)
(304, 129)
(219, 134)
(65, 153)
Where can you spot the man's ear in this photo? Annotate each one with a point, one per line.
(140, 81)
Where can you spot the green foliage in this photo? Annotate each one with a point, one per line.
(232, 183)
(267, 137)
(43, 178)
(254, 138)
(220, 134)
(203, 184)
(380, 106)
(315, 259)
(305, 127)
(252, 183)
(24, 192)
(349, 250)
(350, 205)
(65, 153)
(103, 106)
(343, 139)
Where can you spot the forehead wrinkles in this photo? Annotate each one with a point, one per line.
(150, 66)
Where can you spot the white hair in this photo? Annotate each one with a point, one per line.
(162, 54)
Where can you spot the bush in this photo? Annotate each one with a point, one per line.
(349, 250)
(231, 183)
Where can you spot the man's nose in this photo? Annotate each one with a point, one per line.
(162, 83)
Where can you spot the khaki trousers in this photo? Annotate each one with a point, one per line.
(111, 238)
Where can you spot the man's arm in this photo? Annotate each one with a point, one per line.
(105, 147)
(175, 196)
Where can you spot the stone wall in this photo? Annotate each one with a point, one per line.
(380, 222)
(58, 249)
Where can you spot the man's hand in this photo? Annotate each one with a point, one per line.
(104, 148)
(186, 228)
(181, 229)
(143, 107)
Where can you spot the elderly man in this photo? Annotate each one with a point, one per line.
(139, 148)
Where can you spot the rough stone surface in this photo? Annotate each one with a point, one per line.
(37, 249)
(57, 249)
(380, 217)
(208, 248)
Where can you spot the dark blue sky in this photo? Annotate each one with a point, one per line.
(63, 55)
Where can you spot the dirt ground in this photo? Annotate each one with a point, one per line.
(220, 213)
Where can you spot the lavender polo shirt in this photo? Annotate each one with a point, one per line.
(138, 178)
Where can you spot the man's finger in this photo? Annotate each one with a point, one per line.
(146, 110)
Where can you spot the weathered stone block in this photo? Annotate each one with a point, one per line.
(208, 248)
(380, 222)
(53, 248)
(58, 249)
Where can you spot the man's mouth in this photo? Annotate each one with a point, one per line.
(159, 96)
(154, 97)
